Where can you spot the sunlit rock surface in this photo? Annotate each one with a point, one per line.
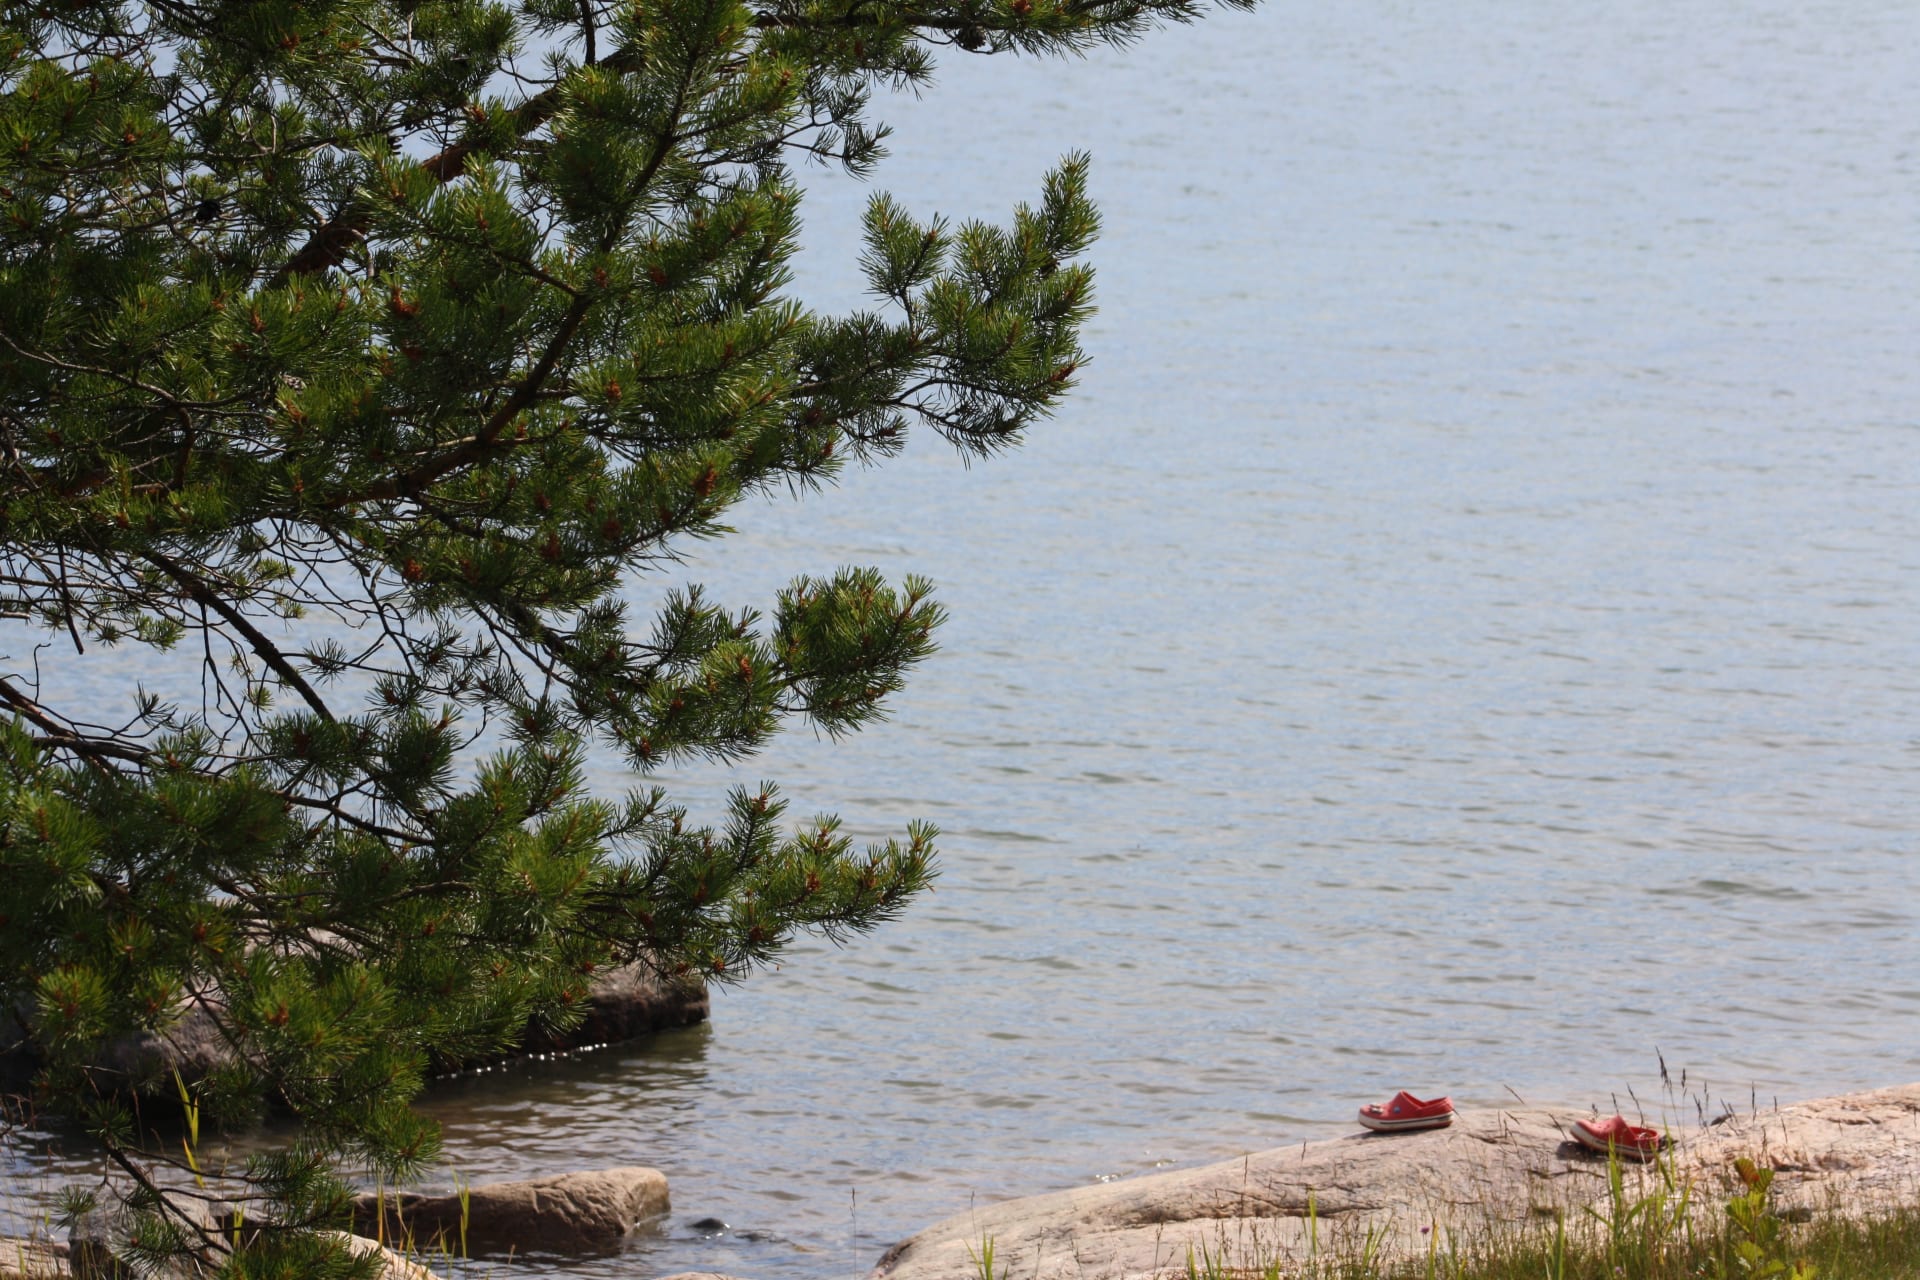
(1506, 1169)
(22, 1259)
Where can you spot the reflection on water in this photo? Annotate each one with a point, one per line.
(1462, 637)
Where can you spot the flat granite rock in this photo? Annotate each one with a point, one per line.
(1499, 1168)
(570, 1213)
(22, 1259)
(395, 1266)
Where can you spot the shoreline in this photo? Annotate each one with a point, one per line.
(1490, 1169)
(1494, 1174)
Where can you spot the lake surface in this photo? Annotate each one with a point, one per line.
(1463, 635)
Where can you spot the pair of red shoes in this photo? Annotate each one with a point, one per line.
(1403, 1112)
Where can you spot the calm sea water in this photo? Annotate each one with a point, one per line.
(1464, 635)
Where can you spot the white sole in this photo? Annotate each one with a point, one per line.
(1642, 1154)
(1401, 1126)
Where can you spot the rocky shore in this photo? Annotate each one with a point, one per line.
(1491, 1170)
(567, 1213)
(1506, 1167)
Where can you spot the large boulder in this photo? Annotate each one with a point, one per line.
(569, 1213)
(1497, 1169)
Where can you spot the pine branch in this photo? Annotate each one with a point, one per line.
(59, 736)
(329, 246)
(264, 648)
(487, 440)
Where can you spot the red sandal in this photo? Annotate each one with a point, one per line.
(1631, 1141)
(1404, 1111)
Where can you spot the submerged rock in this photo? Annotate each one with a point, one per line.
(568, 1213)
(1493, 1170)
(625, 1004)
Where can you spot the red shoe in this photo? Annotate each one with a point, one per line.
(1615, 1134)
(1404, 1111)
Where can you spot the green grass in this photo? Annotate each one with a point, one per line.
(1886, 1248)
(1666, 1233)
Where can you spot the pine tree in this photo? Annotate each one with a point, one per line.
(370, 354)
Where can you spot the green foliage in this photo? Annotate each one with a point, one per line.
(982, 1261)
(1645, 1226)
(1650, 1229)
(1755, 1233)
(369, 355)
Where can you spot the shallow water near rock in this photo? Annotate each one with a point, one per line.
(1461, 635)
